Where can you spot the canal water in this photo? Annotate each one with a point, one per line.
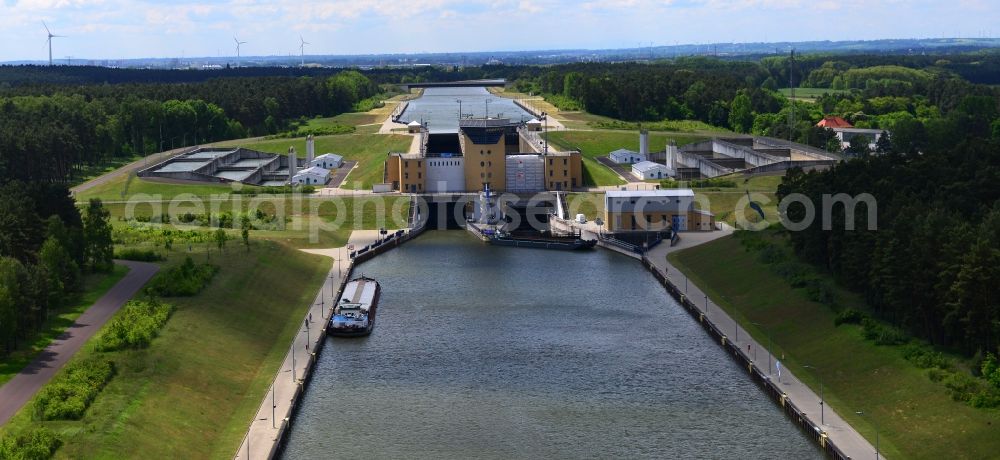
(496, 352)
(439, 107)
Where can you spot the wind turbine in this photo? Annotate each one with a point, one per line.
(49, 41)
(302, 49)
(238, 43)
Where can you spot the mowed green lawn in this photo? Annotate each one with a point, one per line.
(369, 150)
(193, 392)
(593, 144)
(916, 417)
(95, 285)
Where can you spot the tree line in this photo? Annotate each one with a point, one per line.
(46, 246)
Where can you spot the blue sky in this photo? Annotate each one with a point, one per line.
(159, 28)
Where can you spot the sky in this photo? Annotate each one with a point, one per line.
(113, 29)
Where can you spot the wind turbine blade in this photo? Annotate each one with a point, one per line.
(46, 28)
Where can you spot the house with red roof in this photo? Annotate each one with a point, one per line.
(834, 122)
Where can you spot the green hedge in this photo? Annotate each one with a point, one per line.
(328, 130)
(68, 396)
(139, 255)
(184, 280)
(135, 325)
(32, 444)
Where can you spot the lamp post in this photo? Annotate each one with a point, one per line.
(273, 406)
(862, 413)
(459, 101)
(769, 343)
(706, 304)
(736, 324)
(822, 397)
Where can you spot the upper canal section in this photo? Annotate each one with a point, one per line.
(438, 107)
(492, 352)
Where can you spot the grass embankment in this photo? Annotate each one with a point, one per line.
(593, 144)
(87, 172)
(94, 286)
(723, 201)
(192, 393)
(369, 150)
(916, 417)
(330, 219)
(126, 186)
(365, 122)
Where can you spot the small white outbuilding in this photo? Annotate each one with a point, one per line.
(328, 161)
(312, 176)
(626, 156)
(650, 170)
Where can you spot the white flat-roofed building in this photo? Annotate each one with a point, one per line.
(533, 125)
(650, 170)
(654, 210)
(846, 134)
(328, 161)
(312, 176)
(626, 156)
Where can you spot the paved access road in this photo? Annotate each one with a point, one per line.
(15, 393)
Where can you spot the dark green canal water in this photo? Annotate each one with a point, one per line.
(494, 352)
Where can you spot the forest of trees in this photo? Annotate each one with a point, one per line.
(47, 132)
(933, 265)
(46, 246)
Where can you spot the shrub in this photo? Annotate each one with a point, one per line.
(563, 103)
(135, 325)
(275, 190)
(713, 182)
(820, 290)
(962, 386)
(69, 395)
(924, 357)
(849, 316)
(882, 334)
(139, 255)
(32, 444)
(328, 130)
(937, 375)
(986, 398)
(770, 254)
(184, 280)
(991, 370)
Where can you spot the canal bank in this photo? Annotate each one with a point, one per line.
(495, 352)
(270, 425)
(802, 405)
